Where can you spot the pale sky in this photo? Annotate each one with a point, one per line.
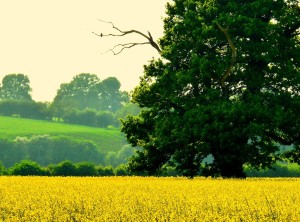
(52, 41)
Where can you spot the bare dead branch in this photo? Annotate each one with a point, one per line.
(121, 33)
(233, 55)
(125, 46)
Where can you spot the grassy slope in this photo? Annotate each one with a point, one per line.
(106, 139)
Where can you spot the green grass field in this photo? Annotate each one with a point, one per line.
(105, 139)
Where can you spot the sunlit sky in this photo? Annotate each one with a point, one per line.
(52, 41)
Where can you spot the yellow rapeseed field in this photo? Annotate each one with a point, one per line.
(148, 199)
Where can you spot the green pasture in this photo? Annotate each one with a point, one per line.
(105, 139)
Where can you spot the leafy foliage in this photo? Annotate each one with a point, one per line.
(128, 109)
(2, 169)
(228, 86)
(279, 170)
(86, 91)
(47, 150)
(86, 169)
(80, 93)
(105, 171)
(65, 168)
(91, 117)
(15, 87)
(27, 168)
(121, 157)
(85, 100)
(25, 109)
(111, 98)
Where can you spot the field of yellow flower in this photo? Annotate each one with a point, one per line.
(148, 199)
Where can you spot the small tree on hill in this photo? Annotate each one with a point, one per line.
(15, 87)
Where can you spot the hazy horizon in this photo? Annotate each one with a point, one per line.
(51, 42)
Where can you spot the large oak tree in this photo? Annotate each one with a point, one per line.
(227, 86)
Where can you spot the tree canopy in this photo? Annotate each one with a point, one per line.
(111, 98)
(80, 93)
(15, 87)
(227, 86)
(88, 91)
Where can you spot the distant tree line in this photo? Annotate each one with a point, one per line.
(85, 100)
(45, 150)
(87, 91)
(69, 168)
(25, 109)
(64, 168)
(91, 117)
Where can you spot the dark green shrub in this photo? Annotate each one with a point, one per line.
(121, 170)
(41, 111)
(51, 169)
(46, 150)
(111, 158)
(64, 148)
(121, 157)
(105, 171)
(26, 168)
(71, 116)
(26, 109)
(65, 168)
(87, 117)
(2, 169)
(86, 169)
(279, 170)
(106, 118)
(46, 171)
(8, 107)
(9, 155)
(170, 171)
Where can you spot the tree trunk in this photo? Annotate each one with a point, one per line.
(233, 169)
(229, 163)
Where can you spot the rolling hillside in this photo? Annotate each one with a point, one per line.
(105, 139)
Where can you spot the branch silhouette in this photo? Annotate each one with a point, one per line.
(121, 33)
